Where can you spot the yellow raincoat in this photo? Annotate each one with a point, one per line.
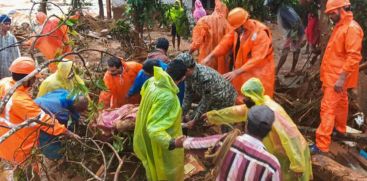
(59, 79)
(158, 121)
(284, 140)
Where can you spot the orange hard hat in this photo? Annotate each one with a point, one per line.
(335, 4)
(41, 17)
(22, 65)
(237, 17)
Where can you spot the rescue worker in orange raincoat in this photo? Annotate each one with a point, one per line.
(57, 43)
(339, 72)
(251, 43)
(208, 32)
(17, 148)
(119, 78)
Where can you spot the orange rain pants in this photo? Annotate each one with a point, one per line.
(343, 54)
(334, 112)
(119, 86)
(207, 34)
(255, 55)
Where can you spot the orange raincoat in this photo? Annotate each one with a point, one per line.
(207, 34)
(21, 107)
(255, 55)
(343, 54)
(54, 44)
(119, 86)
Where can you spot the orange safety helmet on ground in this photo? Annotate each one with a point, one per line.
(22, 65)
(237, 17)
(335, 4)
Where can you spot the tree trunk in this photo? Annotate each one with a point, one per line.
(43, 6)
(324, 28)
(138, 24)
(108, 6)
(324, 168)
(101, 9)
(76, 4)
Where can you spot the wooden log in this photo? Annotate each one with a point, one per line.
(324, 168)
(359, 138)
(362, 161)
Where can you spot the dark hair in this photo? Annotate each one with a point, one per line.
(114, 62)
(149, 64)
(176, 69)
(18, 77)
(260, 130)
(162, 43)
(260, 120)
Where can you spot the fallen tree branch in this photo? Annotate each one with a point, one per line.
(117, 173)
(18, 127)
(121, 161)
(359, 138)
(362, 161)
(134, 173)
(85, 168)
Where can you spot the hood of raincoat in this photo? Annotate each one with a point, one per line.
(163, 80)
(64, 69)
(198, 4)
(220, 9)
(59, 79)
(199, 10)
(177, 4)
(254, 89)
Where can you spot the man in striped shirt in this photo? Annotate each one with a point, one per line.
(247, 158)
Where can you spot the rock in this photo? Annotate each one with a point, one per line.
(93, 34)
(104, 32)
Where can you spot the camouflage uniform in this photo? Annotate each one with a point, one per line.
(213, 90)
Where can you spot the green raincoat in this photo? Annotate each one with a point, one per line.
(59, 79)
(284, 141)
(177, 16)
(158, 121)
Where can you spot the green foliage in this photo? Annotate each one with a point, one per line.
(162, 9)
(121, 29)
(122, 141)
(256, 8)
(142, 12)
(359, 8)
(119, 143)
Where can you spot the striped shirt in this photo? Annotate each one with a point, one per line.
(246, 160)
